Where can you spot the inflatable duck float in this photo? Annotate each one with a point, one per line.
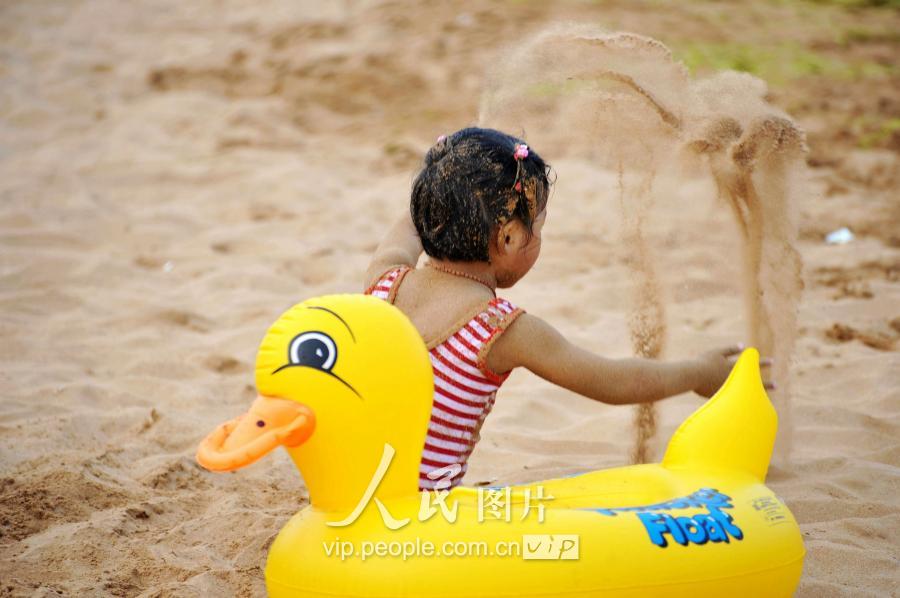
(345, 385)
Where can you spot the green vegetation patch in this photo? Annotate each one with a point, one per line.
(778, 64)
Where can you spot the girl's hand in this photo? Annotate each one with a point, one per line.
(714, 367)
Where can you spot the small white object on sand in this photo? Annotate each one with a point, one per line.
(841, 236)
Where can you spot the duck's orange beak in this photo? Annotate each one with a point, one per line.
(245, 439)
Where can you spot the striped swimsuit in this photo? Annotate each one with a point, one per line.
(464, 387)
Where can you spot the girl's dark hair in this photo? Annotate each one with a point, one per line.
(467, 188)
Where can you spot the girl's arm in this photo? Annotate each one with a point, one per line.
(401, 246)
(536, 345)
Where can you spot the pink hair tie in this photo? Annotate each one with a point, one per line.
(441, 138)
(521, 151)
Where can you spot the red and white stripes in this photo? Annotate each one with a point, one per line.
(382, 288)
(464, 390)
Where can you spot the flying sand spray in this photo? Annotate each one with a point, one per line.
(623, 102)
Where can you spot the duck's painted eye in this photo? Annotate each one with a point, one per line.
(313, 349)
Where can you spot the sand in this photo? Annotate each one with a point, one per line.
(174, 175)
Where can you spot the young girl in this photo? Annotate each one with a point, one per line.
(477, 209)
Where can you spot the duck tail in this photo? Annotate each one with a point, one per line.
(734, 430)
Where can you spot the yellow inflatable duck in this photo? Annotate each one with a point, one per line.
(345, 385)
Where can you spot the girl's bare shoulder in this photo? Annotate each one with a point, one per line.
(523, 343)
(435, 304)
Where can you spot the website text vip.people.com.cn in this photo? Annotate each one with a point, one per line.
(529, 547)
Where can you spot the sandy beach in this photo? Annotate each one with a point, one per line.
(174, 175)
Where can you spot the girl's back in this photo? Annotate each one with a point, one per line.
(464, 386)
(437, 303)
